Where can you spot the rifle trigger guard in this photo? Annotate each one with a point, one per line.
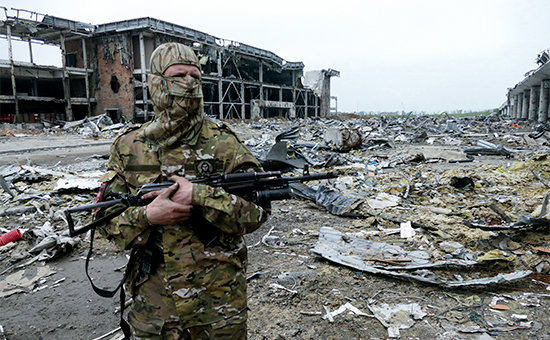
(131, 200)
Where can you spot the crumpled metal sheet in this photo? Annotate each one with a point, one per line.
(303, 190)
(278, 157)
(292, 133)
(5, 186)
(487, 148)
(541, 128)
(349, 251)
(334, 202)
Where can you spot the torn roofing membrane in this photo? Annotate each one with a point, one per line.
(356, 253)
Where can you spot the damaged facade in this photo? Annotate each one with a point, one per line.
(105, 67)
(528, 100)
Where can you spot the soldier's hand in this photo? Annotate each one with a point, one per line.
(184, 195)
(163, 210)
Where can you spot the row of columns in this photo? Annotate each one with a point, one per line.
(66, 82)
(531, 104)
(262, 89)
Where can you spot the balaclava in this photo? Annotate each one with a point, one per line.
(178, 101)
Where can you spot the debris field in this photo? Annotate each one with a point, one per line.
(436, 228)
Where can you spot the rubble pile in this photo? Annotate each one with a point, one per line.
(447, 202)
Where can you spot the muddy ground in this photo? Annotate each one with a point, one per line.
(289, 288)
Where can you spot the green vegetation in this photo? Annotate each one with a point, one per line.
(455, 113)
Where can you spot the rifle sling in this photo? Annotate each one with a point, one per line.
(135, 254)
(103, 220)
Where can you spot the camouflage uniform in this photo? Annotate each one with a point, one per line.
(193, 285)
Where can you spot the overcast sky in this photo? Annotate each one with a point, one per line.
(393, 55)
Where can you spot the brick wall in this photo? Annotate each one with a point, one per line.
(75, 46)
(115, 88)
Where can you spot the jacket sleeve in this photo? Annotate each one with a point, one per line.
(230, 213)
(130, 228)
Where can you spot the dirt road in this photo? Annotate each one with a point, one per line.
(50, 150)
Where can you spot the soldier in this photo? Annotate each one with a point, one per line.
(189, 281)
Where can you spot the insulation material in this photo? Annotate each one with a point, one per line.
(20, 281)
(313, 80)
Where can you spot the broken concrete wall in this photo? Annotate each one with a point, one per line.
(115, 88)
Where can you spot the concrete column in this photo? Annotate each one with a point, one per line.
(306, 105)
(66, 82)
(143, 69)
(294, 78)
(534, 99)
(294, 96)
(86, 77)
(35, 87)
(12, 71)
(30, 51)
(242, 101)
(220, 84)
(544, 98)
(506, 110)
(325, 96)
(518, 103)
(281, 95)
(261, 76)
(515, 102)
(525, 104)
(316, 106)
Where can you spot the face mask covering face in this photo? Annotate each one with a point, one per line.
(178, 101)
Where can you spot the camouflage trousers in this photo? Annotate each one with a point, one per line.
(175, 332)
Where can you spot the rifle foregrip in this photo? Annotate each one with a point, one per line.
(147, 188)
(268, 195)
(247, 176)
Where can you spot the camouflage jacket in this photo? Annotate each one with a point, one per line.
(194, 284)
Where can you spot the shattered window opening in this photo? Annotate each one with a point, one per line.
(115, 85)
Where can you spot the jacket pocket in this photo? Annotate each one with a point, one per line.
(145, 325)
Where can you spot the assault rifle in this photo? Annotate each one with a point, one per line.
(258, 187)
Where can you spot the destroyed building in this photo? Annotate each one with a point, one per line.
(528, 100)
(105, 67)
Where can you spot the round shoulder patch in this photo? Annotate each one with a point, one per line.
(204, 167)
